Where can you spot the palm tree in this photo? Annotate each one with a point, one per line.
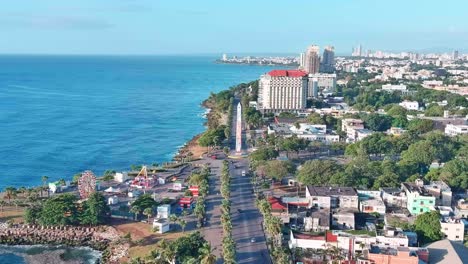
(206, 254)
(166, 250)
(136, 210)
(10, 192)
(16, 203)
(62, 182)
(183, 224)
(44, 180)
(173, 218)
(148, 212)
(22, 190)
(2, 205)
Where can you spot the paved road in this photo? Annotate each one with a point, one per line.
(213, 230)
(246, 219)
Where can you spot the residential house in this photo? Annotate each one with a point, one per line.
(394, 255)
(453, 228)
(394, 197)
(332, 197)
(419, 199)
(461, 209)
(441, 191)
(371, 202)
(317, 220)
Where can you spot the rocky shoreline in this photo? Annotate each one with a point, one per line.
(102, 238)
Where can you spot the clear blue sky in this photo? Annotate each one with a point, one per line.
(217, 26)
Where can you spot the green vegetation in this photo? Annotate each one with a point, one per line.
(213, 137)
(427, 226)
(200, 180)
(272, 226)
(64, 210)
(401, 157)
(229, 245)
(192, 248)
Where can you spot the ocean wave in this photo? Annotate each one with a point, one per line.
(32, 253)
(204, 114)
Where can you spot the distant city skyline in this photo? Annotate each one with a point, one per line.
(241, 27)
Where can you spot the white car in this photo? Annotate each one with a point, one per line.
(243, 173)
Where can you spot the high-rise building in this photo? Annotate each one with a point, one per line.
(302, 60)
(312, 59)
(282, 90)
(328, 60)
(455, 55)
(357, 52)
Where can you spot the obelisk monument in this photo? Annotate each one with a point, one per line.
(239, 130)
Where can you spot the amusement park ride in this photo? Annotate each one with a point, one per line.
(142, 181)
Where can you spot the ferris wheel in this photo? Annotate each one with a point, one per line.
(86, 184)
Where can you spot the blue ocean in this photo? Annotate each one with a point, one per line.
(60, 115)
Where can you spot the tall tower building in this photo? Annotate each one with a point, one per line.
(312, 59)
(328, 59)
(301, 60)
(455, 55)
(359, 51)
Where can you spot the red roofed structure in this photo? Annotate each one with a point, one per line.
(277, 205)
(287, 73)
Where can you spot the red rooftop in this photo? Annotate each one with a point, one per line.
(287, 73)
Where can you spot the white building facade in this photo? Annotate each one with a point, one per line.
(282, 90)
(454, 130)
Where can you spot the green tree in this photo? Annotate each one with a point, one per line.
(427, 226)
(277, 169)
(182, 224)
(378, 122)
(420, 126)
(33, 214)
(455, 173)
(377, 143)
(95, 210)
(317, 172)
(206, 254)
(135, 209)
(44, 180)
(10, 192)
(434, 110)
(421, 153)
(263, 154)
(145, 201)
(148, 212)
(59, 210)
(397, 111)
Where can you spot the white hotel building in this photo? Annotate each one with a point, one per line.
(282, 90)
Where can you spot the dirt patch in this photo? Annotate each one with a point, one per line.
(13, 214)
(144, 240)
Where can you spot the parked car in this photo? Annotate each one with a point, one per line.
(243, 173)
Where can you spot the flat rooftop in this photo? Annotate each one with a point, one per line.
(331, 191)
